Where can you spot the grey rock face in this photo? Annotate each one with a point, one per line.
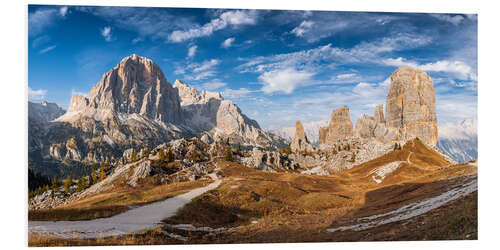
(411, 106)
(340, 127)
(208, 111)
(300, 142)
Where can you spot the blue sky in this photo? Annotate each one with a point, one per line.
(278, 66)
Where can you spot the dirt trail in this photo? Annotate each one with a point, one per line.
(134, 220)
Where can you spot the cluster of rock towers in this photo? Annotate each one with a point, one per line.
(410, 112)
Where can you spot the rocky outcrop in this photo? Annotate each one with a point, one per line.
(339, 128)
(300, 142)
(208, 111)
(411, 106)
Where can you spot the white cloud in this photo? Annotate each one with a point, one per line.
(213, 85)
(106, 33)
(43, 51)
(40, 19)
(285, 80)
(198, 71)
(228, 42)
(454, 19)
(235, 18)
(206, 65)
(192, 50)
(457, 68)
(36, 95)
(40, 41)
(327, 56)
(302, 28)
(137, 39)
(235, 93)
(63, 11)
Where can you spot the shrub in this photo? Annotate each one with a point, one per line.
(67, 184)
(229, 154)
(161, 155)
(133, 158)
(170, 155)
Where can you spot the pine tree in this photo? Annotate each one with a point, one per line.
(170, 155)
(102, 174)
(79, 186)
(229, 154)
(134, 156)
(54, 185)
(67, 184)
(161, 155)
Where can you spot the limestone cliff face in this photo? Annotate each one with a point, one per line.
(135, 86)
(411, 105)
(300, 142)
(340, 127)
(132, 105)
(208, 111)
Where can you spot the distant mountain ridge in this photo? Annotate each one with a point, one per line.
(459, 141)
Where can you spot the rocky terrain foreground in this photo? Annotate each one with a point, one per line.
(408, 194)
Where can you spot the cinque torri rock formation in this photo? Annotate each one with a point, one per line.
(410, 111)
(411, 105)
(339, 128)
(134, 106)
(300, 142)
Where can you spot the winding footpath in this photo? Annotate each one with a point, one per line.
(134, 220)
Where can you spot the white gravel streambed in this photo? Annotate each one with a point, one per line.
(406, 212)
(134, 220)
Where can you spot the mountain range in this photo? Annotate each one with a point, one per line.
(134, 106)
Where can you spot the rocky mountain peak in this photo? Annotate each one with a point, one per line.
(190, 95)
(136, 85)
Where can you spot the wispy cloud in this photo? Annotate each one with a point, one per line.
(41, 19)
(106, 33)
(192, 51)
(285, 80)
(36, 95)
(302, 28)
(213, 85)
(227, 43)
(327, 56)
(40, 41)
(198, 71)
(458, 68)
(235, 93)
(43, 51)
(235, 18)
(453, 19)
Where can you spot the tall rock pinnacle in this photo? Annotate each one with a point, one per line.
(411, 105)
(340, 127)
(300, 142)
